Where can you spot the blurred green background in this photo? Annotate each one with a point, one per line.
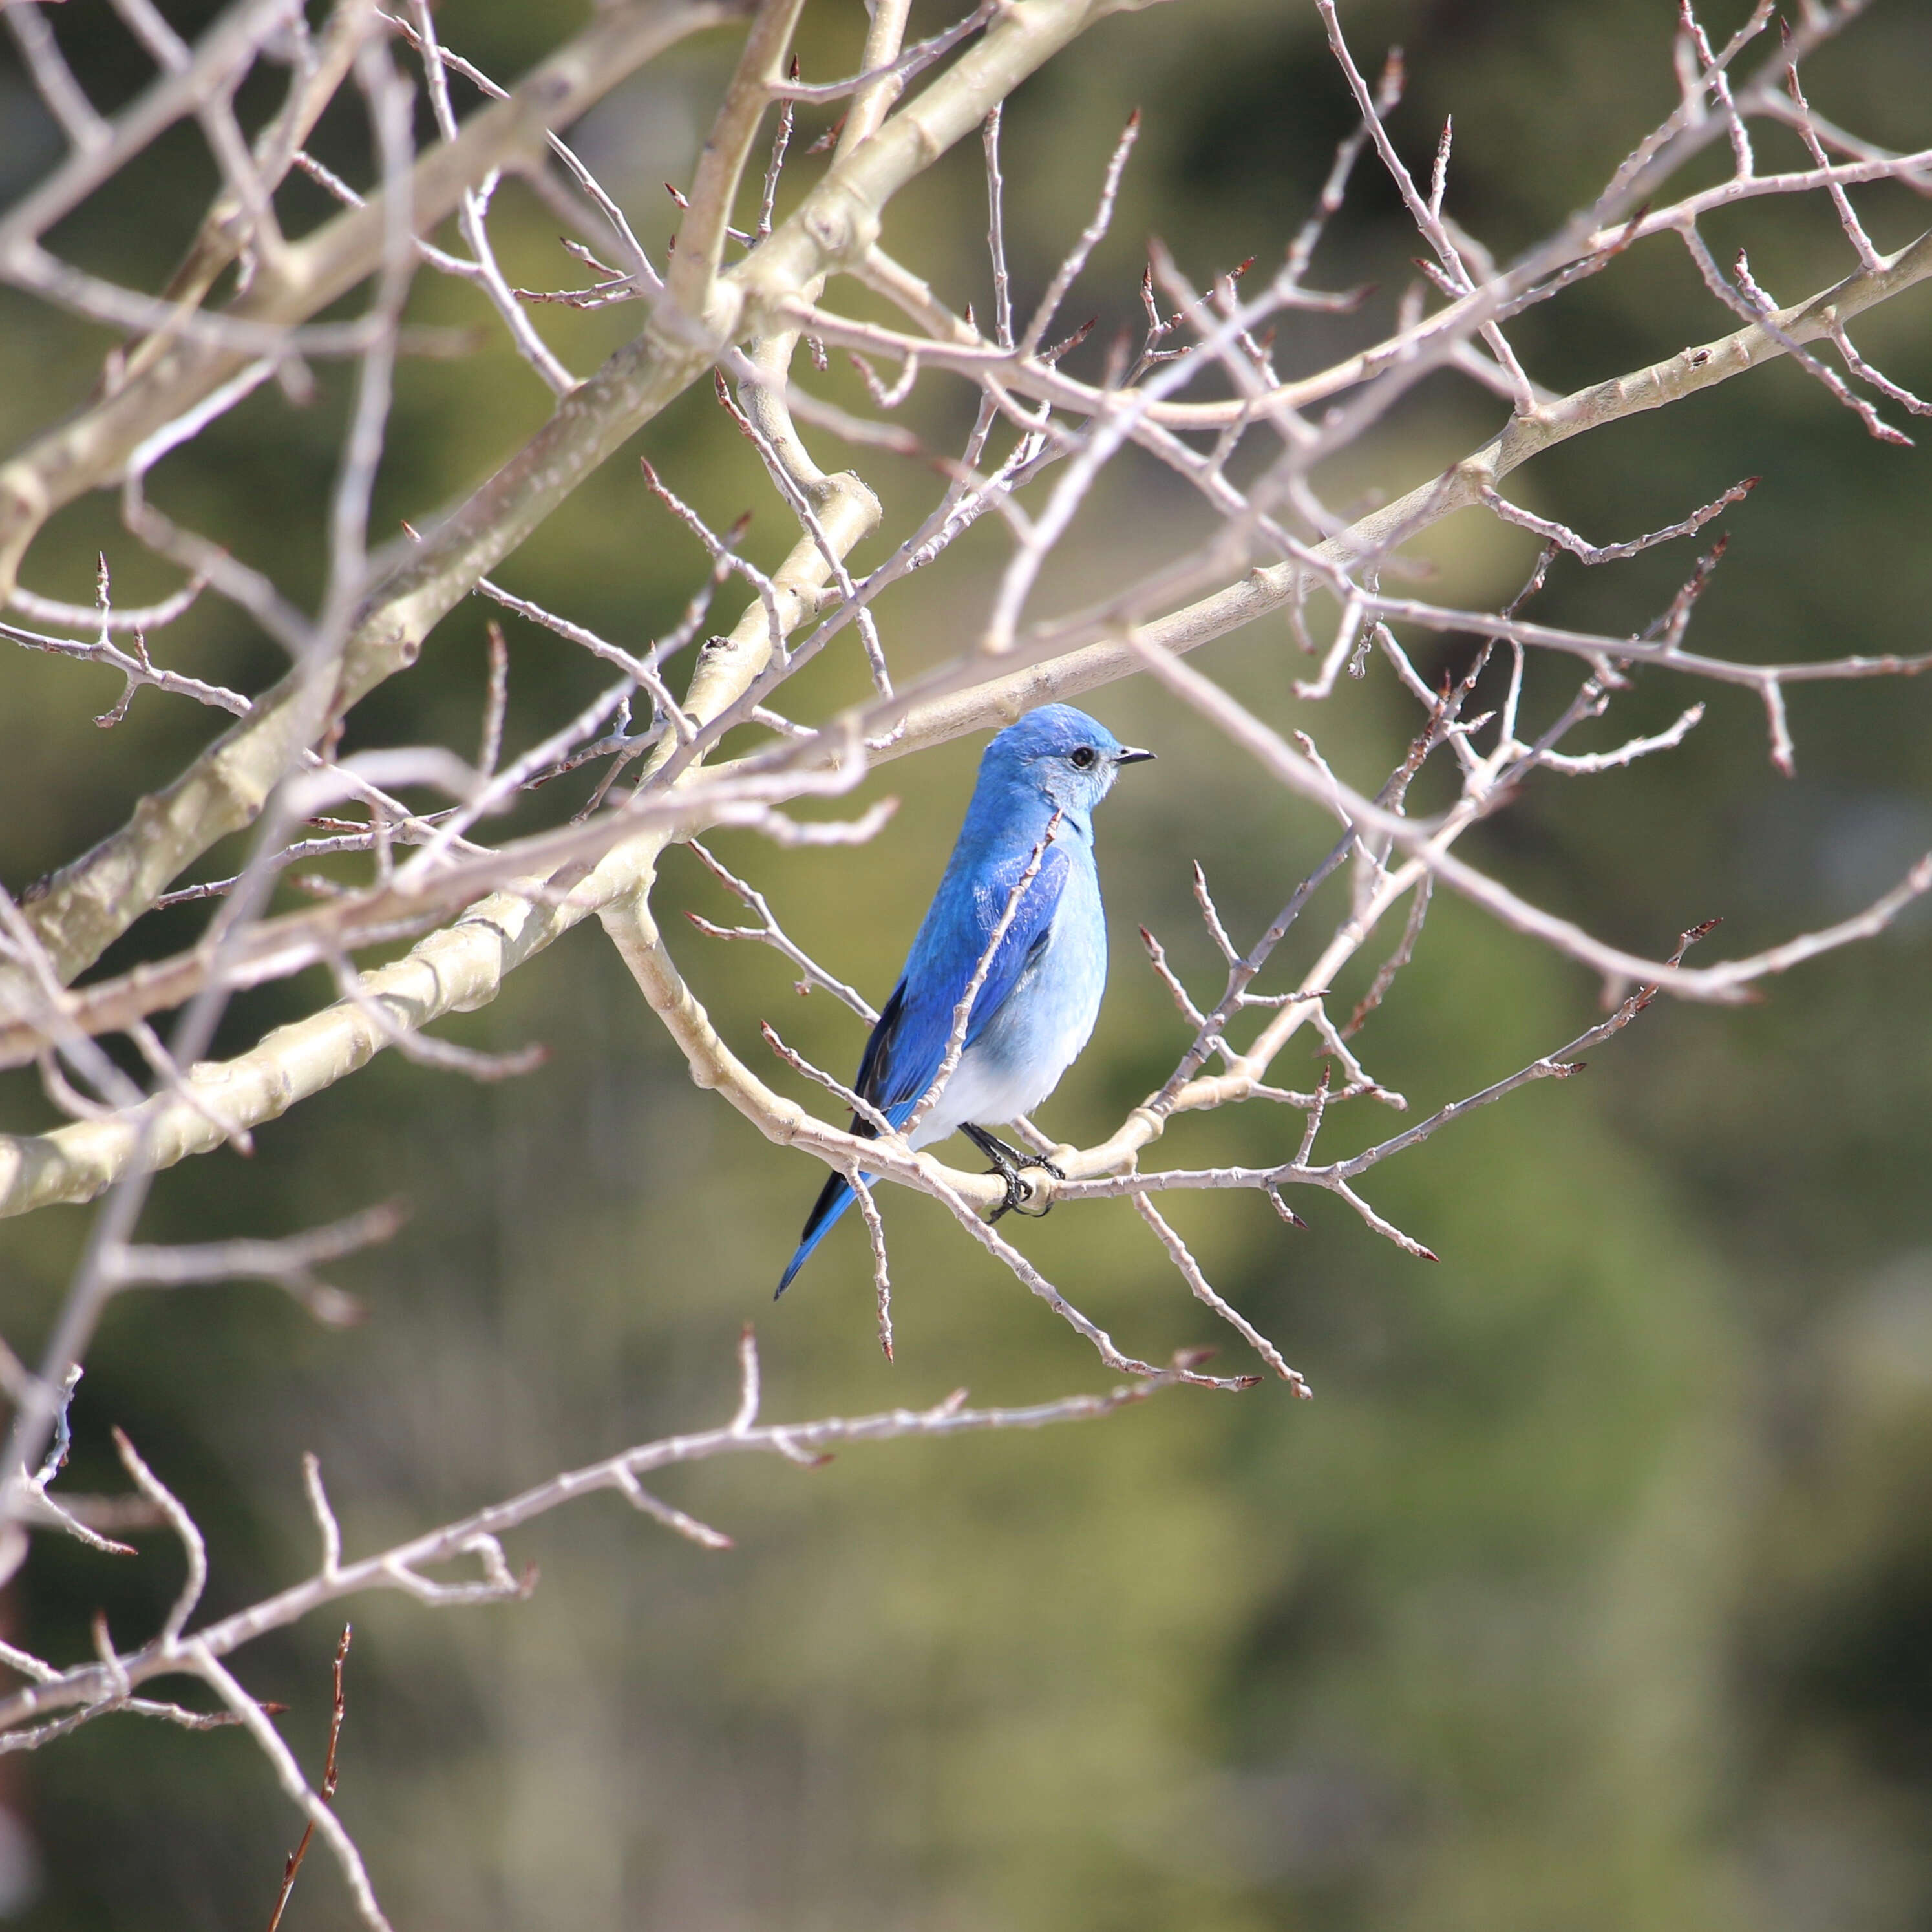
(1594, 1590)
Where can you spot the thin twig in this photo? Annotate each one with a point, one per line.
(338, 1709)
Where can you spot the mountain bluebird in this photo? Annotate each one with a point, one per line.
(1041, 994)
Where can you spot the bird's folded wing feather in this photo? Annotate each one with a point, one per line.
(903, 1055)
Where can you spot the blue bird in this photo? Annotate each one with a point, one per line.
(1041, 995)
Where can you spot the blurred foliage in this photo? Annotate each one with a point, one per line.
(1595, 1589)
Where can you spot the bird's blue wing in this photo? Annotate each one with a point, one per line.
(908, 1043)
(903, 1056)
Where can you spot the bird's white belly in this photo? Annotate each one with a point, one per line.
(984, 1092)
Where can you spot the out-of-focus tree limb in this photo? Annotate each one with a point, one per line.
(223, 231)
(309, 275)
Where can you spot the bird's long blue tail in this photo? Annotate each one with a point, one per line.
(833, 1200)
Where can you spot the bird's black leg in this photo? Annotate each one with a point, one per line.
(1007, 1163)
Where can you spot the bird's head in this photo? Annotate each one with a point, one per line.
(1068, 758)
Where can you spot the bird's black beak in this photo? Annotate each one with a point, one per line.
(1130, 755)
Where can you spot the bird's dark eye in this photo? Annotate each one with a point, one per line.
(1083, 757)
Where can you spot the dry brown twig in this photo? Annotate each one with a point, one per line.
(338, 1710)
